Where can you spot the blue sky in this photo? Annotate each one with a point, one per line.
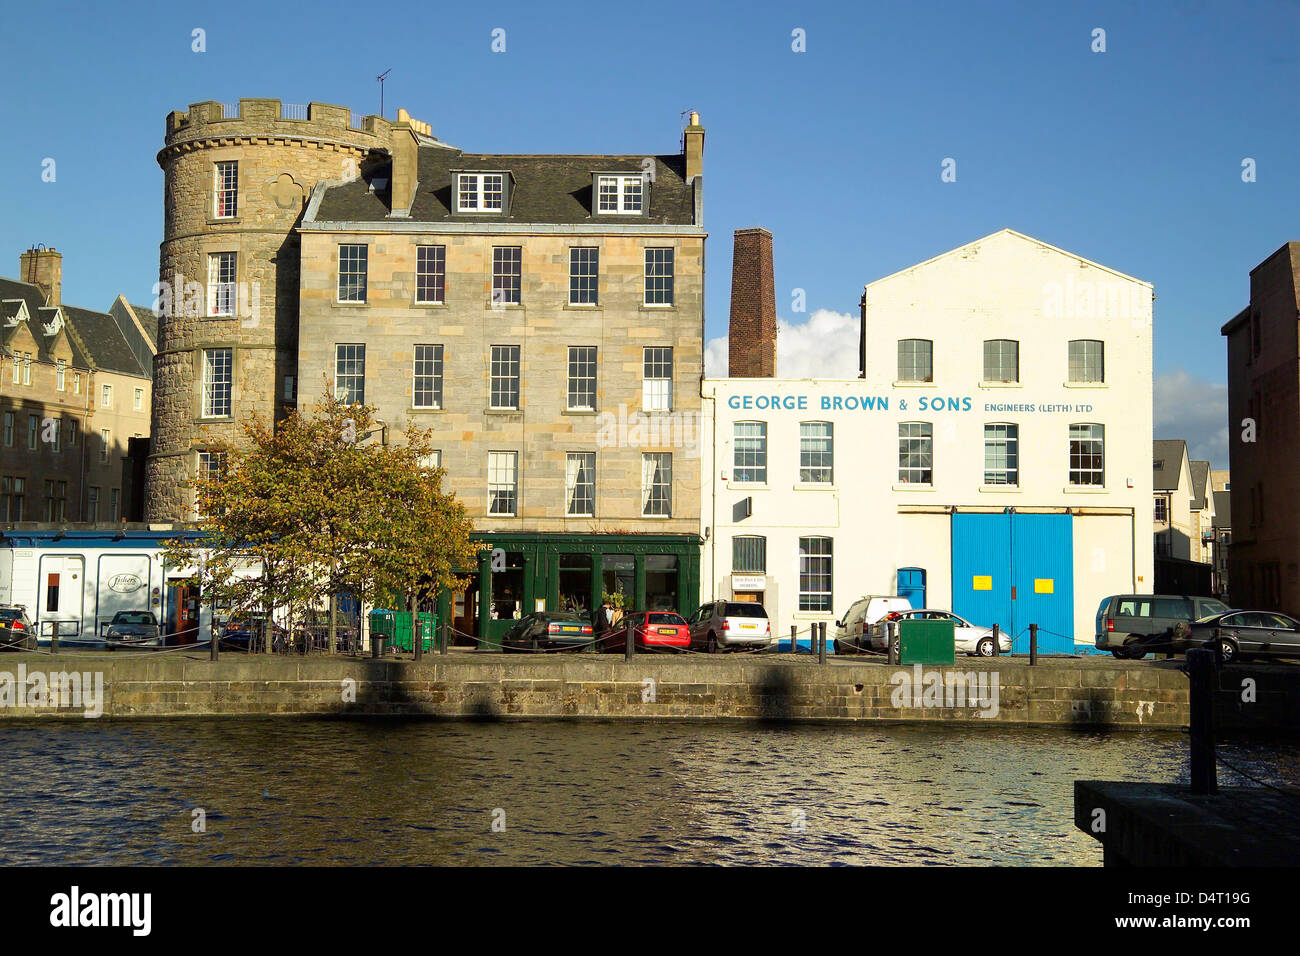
(1131, 157)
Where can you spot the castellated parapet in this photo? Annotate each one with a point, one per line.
(282, 151)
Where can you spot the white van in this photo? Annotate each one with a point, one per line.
(861, 614)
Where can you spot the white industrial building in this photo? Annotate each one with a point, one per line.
(994, 459)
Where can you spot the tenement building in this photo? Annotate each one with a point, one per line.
(542, 314)
(75, 387)
(1263, 422)
(994, 457)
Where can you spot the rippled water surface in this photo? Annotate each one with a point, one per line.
(374, 792)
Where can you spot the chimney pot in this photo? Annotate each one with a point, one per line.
(43, 268)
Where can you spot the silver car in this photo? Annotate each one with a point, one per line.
(968, 638)
(722, 624)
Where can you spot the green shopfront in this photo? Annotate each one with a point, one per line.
(523, 573)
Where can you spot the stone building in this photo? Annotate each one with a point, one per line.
(1263, 424)
(543, 315)
(236, 181)
(75, 387)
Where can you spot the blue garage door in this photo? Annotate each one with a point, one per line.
(911, 585)
(1014, 569)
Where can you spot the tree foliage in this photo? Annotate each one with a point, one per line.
(323, 505)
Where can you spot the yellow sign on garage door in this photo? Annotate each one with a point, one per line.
(981, 582)
(1044, 585)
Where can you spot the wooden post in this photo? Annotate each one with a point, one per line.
(892, 636)
(417, 629)
(629, 646)
(1033, 644)
(997, 639)
(1201, 674)
(794, 639)
(446, 636)
(821, 642)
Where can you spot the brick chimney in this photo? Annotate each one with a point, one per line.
(44, 268)
(751, 339)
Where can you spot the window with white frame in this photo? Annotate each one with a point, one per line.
(507, 275)
(480, 192)
(225, 190)
(582, 378)
(106, 396)
(657, 379)
(354, 260)
(92, 503)
(33, 432)
(218, 375)
(431, 274)
(18, 368)
(815, 574)
(12, 498)
(432, 460)
(222, 276)
(27, 368)
(115, 504)
(659, 273)
(504, 370)
(105, 443)
(816, 453)
(76, 383)
(915, 453)
(211, 465)
(503, 483)
(1161, 508)
(1001, 454)
(580, 484)
(427, 377)
(1087, 361)
(350, 373)
(749, 453)
(57, 444)
(749, 554)
(1088, 455)
(657, 484)
(139, 400)
(622, 195)
(915, 360)
(584, 275)
(1001, 360)
(9, 430)
(60, 375)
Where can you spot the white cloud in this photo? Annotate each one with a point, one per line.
(1197, 410)
(823, 346)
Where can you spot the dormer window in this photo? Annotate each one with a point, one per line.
(620, 195)
(480, 192)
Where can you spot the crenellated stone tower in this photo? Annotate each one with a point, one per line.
(229, 268)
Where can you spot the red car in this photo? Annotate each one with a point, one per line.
(655, 630)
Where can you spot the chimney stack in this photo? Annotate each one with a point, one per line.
(43, 268)
(406, 159)
(693, 147)
(751, 339)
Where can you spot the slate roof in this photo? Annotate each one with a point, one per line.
(1200, 484)
(545, 189)
(149, 319)
(1168, 457)
(96, 339)
(1222, 509)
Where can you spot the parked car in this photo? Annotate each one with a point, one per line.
(719, 625)
(1131, 625)
(239, 633)
(16, 630)
(968, 638)
(544, 629)
(1243, 634)
(653, 630)
(858, 619)
(133, 629)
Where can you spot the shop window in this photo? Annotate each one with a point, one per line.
(575, 584)
(618, 573)
(508, 589)
(661, 582)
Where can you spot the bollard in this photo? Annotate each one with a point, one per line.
(892, 636)
(1033, 644)
(997, 639)
(54, 639)
(417, 628)
(214, 651)
(376, 644)
(629, 644)
(1200, 676)
(821, 643)
(446, 637)
(794, 639)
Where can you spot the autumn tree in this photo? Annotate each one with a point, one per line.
(324, 505)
